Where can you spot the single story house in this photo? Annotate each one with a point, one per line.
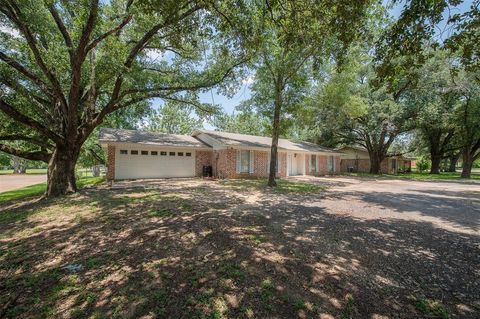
(139, 154)
(356, 159)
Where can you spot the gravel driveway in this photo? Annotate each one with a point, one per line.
(14, 181)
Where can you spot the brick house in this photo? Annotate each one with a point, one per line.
(356, 159)
(138, 154)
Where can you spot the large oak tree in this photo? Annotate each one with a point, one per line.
(66, 65)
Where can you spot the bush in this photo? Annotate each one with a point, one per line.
(476, 164)
(423, 164)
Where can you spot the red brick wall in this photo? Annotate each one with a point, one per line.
(225, 163)
(260, 163)
(282, 164)
(362, 165)
(322, 165)
(337, 164)
(110, 162)
(202, 158)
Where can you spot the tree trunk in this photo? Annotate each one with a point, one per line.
(19, 165)
(275, 134)
(436, 160)
(375, 163)
(453, 160)
(467, 160)
(61, 172)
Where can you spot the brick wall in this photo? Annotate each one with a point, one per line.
(260, 163)
(110, 162)
(282, 164)
(337, 164)
(225, 163)
(322, 165)
(360, 165)
(202, 158)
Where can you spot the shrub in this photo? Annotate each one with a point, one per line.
(423, 164)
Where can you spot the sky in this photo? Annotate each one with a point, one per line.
(228, 104)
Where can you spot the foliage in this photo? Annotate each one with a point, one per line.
(297, 37)
(421, 27)
(67, 65)
(174, 118)
(242, 122)
(423, 164)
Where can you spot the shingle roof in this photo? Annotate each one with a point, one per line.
(234, 139)
(153, 138)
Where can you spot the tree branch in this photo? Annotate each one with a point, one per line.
(62, 28)
(32, 140)
(19, 117)
(95, 42)
(34, 156)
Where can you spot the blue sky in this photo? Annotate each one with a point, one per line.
(229, 104)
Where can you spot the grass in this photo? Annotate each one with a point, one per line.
(431, 308)
(283, 186)
(29, 171)
(38, 189)
(418, 176)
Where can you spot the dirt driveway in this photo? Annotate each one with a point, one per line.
(14, 181)
(363, 248)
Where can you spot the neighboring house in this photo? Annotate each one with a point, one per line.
(139, 154)
(356, 159)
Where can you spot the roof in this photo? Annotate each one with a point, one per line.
(152, 138)
(244, 140)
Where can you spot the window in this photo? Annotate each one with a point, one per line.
(144, 152)
(331, 164)
(172, 153)
(188, 154)
(313, 163)
(153, 153)
(244, 161)
(180, 153)
(123, 152)
(163, 153)
(134, 152)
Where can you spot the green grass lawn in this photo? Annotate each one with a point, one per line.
(29, 171)
(418, 176)
(38, 189)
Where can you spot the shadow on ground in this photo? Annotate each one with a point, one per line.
(203, 250)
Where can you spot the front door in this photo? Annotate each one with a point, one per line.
(294, 166)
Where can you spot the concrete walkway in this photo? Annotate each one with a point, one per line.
(14, 181)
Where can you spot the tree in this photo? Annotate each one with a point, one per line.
(244, 122)
(174, 118)
(351, 108)
(66, 65)
(296, 37)
(434, 99)
(468, 120)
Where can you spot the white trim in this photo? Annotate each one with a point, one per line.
(156, 146)
(251, 167)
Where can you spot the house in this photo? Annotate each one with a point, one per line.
(356, 159)
(139, 154)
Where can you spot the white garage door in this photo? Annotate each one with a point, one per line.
(138, 162)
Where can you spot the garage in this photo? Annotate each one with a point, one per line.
(143, 162)
(142, 155)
